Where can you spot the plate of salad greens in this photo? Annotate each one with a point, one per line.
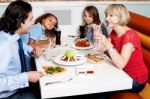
(53, 70)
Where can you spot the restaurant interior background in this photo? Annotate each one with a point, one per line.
(73, 0)
(70, 13)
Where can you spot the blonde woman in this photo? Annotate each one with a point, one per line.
(123, 46)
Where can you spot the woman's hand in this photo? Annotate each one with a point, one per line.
(104, 42)
(95, 27)
(96, 30)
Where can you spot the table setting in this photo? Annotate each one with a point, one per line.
(79, 71)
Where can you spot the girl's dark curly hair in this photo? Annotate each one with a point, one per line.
(51, 32)
(44, 16)
(15, 14)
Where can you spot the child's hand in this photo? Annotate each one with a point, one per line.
(37, 51)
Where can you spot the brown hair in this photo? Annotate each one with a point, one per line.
(48, 33)
(93, 12)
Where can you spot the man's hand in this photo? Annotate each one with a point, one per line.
(34, 76)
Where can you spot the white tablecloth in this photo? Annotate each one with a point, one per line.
(106, 77)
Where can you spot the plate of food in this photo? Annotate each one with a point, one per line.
(70, 58)
(93, 58)
(82, 44)
(53, 70)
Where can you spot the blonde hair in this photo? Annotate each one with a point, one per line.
(121, 11)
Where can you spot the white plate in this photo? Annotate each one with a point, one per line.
(82, 48)
(82, 60)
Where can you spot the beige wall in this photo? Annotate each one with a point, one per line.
(74, 19)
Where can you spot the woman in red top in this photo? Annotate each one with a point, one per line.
(124, 46)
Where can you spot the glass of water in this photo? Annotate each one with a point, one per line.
(47, 53)
(97, 45)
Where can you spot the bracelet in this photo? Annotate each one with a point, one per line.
(110, 50)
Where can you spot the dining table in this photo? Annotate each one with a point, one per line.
(104, 78)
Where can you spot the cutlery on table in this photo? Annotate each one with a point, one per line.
(55, 82)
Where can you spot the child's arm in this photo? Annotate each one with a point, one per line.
(33, 43)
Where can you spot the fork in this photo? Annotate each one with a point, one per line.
(55, 82)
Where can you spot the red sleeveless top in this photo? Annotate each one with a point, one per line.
(135, 67)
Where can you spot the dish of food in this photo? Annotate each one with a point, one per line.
(52, 70)
(93, 58)
(82, 44)
(70, 58)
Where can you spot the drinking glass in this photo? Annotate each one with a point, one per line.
(47, 53)
(97, 45)
(96, 37)
(52, 42)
